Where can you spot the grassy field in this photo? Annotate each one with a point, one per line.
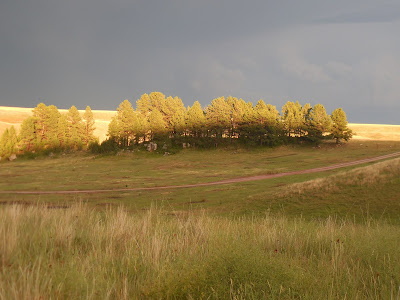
(143, 169)
(83, 253)
(329, 235)
(376, 132)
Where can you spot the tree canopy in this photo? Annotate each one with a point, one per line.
(165, 119)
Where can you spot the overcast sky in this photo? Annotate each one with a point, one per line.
(342, 53)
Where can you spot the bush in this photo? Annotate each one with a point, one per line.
(106, 147)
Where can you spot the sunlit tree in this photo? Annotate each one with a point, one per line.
(339, 129)
(89, 127)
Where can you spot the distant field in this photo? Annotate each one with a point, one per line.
(14, 116)
(376, 132)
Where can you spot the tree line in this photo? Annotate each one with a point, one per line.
(226, 120)
(48, 129)
(162, 119)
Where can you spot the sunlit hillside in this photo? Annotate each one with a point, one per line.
(13, 116)
(10, 116)
(376, 132)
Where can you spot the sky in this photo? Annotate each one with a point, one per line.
(342, 53)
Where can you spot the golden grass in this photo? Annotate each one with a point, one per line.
(379, 132)
(369, 175)
(14, 116)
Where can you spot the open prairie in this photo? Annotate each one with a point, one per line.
(324, 235)
(376, 132)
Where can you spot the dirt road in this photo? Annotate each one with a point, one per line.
(227, 181)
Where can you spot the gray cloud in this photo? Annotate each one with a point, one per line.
(98, 53)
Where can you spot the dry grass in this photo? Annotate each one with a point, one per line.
(14, 116)
(376, 132)
(369, 175)
(82, 253)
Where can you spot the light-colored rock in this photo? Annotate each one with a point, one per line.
(165, 147)
(12, 157)
(152, 147)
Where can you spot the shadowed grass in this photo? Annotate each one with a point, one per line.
(82, 253)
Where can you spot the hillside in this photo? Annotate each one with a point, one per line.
(10, 116)
(13, 116)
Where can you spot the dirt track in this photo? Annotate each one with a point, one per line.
(227, 181)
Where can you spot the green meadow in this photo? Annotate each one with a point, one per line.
(327, 235)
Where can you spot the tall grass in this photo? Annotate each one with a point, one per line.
(374, 174)
(83, 253)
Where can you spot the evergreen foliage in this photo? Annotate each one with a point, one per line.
(339, 129)
(89, 128)
(165, 119)
(225, 120)
(76, 128)
(319, 123)
(8, 143)
(27, 135)
(49, 130)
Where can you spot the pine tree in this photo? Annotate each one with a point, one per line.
(157, 124)
(306, 110)
(40, 113)
(126, 121)
(267, 122)
(218, 116)
(51, 124)
(158, 102)
(143, 105)
(142, 128)
(238, 107)
(114, 129)
(75, 128)
(339, 129)
(292, 118)
(8, 142)
(195, 119)
(175, 117)
(27, 134)
(3, 144)
(89, 126)
(319, 123)
(63, 132)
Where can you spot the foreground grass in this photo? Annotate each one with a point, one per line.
(83, 253)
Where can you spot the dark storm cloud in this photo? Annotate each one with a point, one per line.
(98, 53)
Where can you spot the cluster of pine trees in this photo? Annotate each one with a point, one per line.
(165, 119)
(49, 129)
(225, 120)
